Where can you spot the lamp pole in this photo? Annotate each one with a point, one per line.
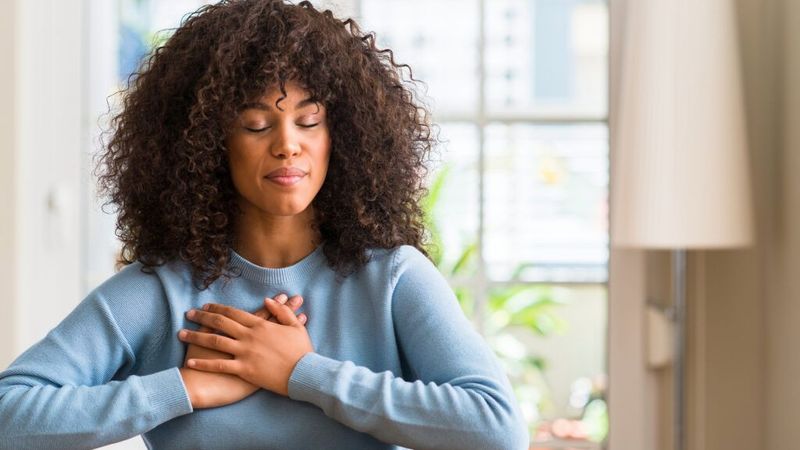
(679, 363)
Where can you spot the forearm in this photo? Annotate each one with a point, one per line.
(75, 388)
(466, 412)
(38, 415)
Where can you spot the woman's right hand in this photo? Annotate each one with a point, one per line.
(210, 390)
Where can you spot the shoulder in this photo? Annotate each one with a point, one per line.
(130, 293)
(135, 281)
(129, 283)
(418, 287)
(412, 276)
(401, 260)
(136, 300)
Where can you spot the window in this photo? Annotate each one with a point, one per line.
(519, 198)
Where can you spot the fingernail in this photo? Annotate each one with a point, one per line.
(281, 298)
(182, 334)
(205, 307)
(190, 363)
(190, 313)
(294, 300)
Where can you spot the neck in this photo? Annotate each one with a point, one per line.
(276, 241)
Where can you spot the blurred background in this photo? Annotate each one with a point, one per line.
(525, 93)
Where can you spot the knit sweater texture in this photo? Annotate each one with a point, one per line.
(395, 364)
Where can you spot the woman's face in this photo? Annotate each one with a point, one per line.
(279, 157)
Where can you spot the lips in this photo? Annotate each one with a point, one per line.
(286, 176)
(286, 172)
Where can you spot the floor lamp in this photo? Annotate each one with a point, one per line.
(679, 177)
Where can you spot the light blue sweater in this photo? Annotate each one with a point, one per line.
(395, 363)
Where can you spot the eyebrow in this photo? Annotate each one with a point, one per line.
(264, 107)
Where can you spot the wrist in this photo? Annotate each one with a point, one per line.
(192, 387)
(294, 366)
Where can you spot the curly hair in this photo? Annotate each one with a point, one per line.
(165, 168)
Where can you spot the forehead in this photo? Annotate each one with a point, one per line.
(295, 98)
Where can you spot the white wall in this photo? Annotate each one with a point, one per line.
(48, 139)
(8, 183)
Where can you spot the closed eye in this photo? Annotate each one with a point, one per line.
(256, 130)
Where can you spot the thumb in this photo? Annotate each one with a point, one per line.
(283, 313)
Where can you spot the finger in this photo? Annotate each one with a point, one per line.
(280, 298)
(231, 366)
(217, 322)
(302, 318)
(295, 302)
(210, 340)
(238, 315)
(263, 314)
(283, 313)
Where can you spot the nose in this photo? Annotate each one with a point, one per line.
(287, 146)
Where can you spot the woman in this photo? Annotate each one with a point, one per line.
(265, 151)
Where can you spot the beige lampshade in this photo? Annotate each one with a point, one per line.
(680, 167)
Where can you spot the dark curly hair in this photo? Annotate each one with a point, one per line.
(165, 168)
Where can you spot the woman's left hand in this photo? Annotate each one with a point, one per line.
(264, 353)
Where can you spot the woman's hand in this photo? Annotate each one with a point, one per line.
(208, 389)
(264, 353)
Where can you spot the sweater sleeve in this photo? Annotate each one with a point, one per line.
(62, 392)
(459, 397)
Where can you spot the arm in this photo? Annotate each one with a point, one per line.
(60, 393)
(461, 398)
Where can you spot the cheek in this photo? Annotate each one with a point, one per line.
(322, 165)
(242, 171)
(236, 168)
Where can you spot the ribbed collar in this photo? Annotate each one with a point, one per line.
(265, 275)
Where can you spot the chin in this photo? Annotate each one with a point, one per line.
(278, 206)
(287, 210)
